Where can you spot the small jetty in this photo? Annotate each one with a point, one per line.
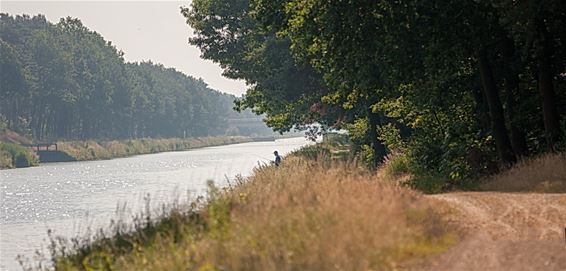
(38, 146)
(49, 153)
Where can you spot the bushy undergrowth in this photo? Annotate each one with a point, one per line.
(401, 169)
(546, 174)
(303, 215)
(95, 150)
(5, 160)
(334, 147)
(13, 155)
(314, 152)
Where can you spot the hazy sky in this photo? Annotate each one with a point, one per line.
(144, 30)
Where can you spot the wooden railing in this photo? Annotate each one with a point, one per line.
(39, 146)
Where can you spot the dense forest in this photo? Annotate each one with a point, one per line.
(64, 81)
(457, 88)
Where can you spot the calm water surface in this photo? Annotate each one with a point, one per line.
(71, 197)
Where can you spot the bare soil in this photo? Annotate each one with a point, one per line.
(505, 231)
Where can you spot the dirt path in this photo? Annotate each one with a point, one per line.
(506, 231)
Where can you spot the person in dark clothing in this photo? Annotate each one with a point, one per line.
(277, 158)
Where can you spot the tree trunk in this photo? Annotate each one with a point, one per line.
(482, 110)
(498, 128)
(546, 87)
(376, 145)
(518, 139)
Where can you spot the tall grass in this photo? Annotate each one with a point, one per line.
(303, 215)
(96, 150)
(545, 174)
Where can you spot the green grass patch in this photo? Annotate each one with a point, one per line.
(16, 156)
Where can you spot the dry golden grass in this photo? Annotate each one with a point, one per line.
(300, 216)
(545, 174)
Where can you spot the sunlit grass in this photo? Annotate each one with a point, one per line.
(545, 174)
(303, 215)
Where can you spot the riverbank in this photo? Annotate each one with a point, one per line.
(323, 212)
(303, 215)
(99, 150)
(13, 156)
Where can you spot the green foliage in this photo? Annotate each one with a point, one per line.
(314, 152)
(234, 35)
(5, 160)
(218, 210)
(64, 81)
(336, 139)
(390, 135)
(423, 72)
(16, 156)
(358, 133)
(396, 166)
(430, 184)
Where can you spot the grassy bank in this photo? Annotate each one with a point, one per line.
(303, 215)
(543, 174)
(14, 155)
(98, 150)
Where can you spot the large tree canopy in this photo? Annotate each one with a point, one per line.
(457, 86)
(229, 33)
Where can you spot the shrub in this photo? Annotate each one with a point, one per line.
(5, 160)
(429, 183)
(17, 155)
(314, 152)
(395, 166)
(336, 139)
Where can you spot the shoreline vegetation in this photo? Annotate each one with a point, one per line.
(307, 214)
(319, 210)
(15, 156)
(101, 150)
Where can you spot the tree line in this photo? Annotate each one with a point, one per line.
(64, 81)
(459, 88)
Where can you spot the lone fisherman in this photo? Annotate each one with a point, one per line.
(277, 158)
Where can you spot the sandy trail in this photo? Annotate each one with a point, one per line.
(506, 231)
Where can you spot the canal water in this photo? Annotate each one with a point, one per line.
(69, 198)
